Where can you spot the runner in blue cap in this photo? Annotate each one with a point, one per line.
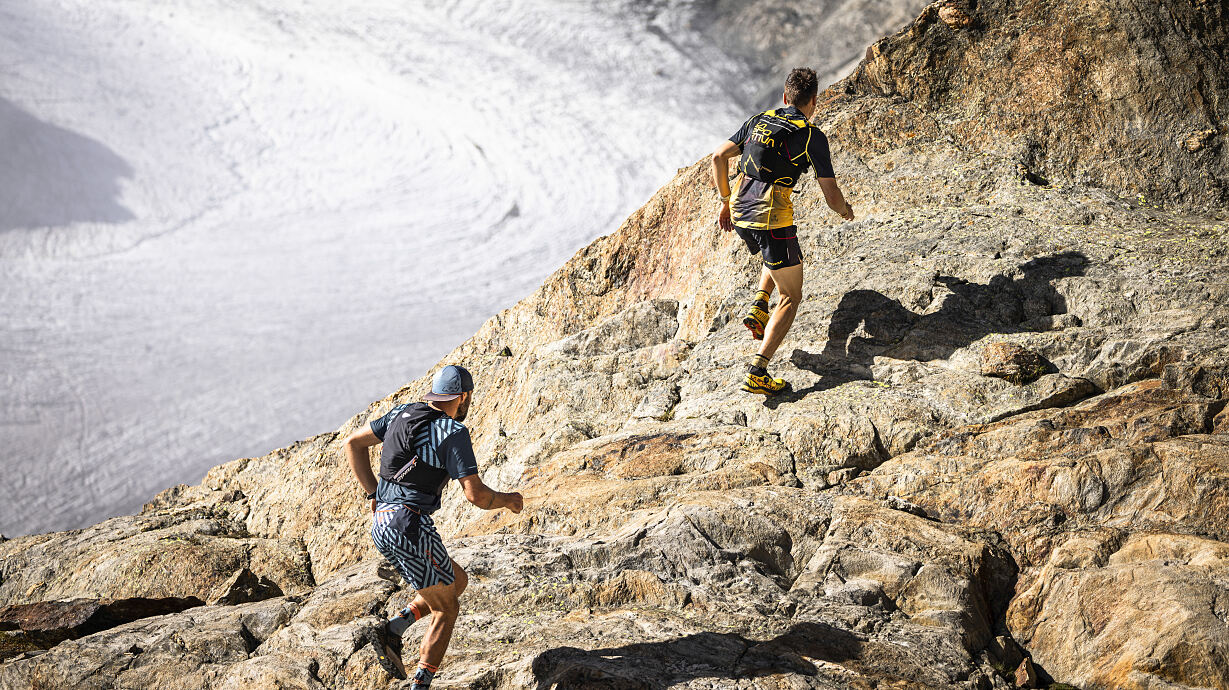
(425, 445)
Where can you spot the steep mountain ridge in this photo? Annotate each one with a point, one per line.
(897, 520)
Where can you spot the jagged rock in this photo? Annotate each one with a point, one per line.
(187, 649)
(1140, 456)
(1026, 675)
(633, 609)
(1209, 377)
(1012, 363)
(242, 587)
(658, 403)
(1199, 140)
(933, 574)
(1138, 461)
(643, 325)
(897, 503)
(1145, 612)
(276, 643)
(183, 553)
(1079, 63)
(1006, 652)
(955, 13)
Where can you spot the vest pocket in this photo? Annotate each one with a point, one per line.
(405, 522)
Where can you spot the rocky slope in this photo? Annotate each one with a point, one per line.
(899, 519)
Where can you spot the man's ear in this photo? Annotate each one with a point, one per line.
(784, 99)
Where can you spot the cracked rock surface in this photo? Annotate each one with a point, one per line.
(897, 520)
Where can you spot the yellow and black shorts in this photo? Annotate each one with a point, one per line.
(779, 246)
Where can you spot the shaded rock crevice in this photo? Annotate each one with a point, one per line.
(45, 624)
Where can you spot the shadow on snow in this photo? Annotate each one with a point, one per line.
(50, 176)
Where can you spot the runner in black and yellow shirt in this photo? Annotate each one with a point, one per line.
(777, 147)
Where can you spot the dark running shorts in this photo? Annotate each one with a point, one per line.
(408, 539)
(780, 246)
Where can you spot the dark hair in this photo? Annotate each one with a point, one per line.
(801, 85)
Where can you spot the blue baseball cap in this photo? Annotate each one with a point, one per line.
(450, 383)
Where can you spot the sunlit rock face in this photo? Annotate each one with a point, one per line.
(898, 519)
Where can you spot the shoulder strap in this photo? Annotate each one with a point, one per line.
(400, 452)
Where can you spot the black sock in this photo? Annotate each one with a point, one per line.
(759, 366)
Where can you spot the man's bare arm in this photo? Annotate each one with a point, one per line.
(486, 498)
(721, 166)
(356, 446)
(834, 197)
(721, 177)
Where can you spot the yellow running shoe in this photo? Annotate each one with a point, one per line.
(755, 321)
(764, 385)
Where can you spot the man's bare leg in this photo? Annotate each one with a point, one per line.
(766, 282)
(758, 380)
(444, 609)
(419, 608)
(445, 606)
(789, 282)
(757, 315)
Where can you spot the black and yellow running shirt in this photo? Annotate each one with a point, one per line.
(777, 148)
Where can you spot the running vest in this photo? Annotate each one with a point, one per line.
(399, 460)
(776, 149)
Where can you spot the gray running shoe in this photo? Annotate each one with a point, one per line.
(388, 652)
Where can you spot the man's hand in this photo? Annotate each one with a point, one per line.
(515, 502)
(721, 180)
(373, 505)
(486, 498)
(834, 197)
(723, 217)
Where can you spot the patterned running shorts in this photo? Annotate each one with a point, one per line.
(408, 539)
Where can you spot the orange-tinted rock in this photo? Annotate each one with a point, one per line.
(955, 13)
(1026, 675)
(1011, 362)
(1144, 613)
